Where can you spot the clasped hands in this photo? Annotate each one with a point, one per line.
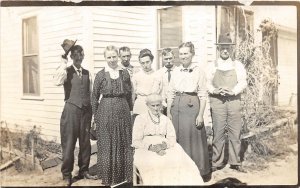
(159, 148)
(223, 92)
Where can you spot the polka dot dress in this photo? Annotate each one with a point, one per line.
(114, 130)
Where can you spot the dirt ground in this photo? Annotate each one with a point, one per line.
(278, 172)
(282, 171)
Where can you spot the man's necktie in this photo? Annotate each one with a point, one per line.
(169, 75)
(79, 73)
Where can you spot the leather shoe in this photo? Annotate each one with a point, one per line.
(85, 175)
(67, 181)
(206, 177)
(238, 168)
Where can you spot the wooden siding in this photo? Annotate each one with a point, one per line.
(134, 27)
(93, 27)
(54, 25)
(199, 28)
(287, 63)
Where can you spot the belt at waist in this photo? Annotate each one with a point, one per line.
(113, 95)
(226, 98)
(186, 93)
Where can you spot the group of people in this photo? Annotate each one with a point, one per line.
(151, 120)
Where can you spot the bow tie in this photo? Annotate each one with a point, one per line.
(186, 70)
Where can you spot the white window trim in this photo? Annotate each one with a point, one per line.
(23, 96)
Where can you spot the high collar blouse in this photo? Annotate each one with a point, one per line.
(190, 79)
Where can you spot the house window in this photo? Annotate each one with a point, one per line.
(31, 71)
(170, 30)
(235, 21)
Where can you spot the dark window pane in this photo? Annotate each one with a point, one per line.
(31, 83)
(170, 27)
(227, 23)
(245, 23)
(235, 21)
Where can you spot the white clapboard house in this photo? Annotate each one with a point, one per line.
(31, 39)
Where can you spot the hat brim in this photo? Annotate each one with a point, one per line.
(68, 46)
(71, 46)
(225, 44)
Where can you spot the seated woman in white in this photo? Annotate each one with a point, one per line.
(159, 159)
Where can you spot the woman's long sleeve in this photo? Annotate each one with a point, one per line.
(138, 133)
(96, 92)
(128, 92)
(202, 91)
(133, 90)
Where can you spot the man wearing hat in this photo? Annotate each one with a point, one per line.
(226, 79)
(77, 113)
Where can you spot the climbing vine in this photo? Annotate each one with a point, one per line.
(262, 78)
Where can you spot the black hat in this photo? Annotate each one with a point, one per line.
(225, 40)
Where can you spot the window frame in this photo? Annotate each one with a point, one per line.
(159, 48)
(235, 19)
(28, 96)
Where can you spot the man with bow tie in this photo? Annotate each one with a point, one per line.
(163, 76)
(76, 117)
(226, 79)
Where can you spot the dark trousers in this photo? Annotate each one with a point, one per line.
(75, 123)
(226, 114)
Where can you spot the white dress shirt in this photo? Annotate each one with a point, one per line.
(161, 82)
(60, 74)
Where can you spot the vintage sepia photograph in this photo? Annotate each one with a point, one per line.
(156, 94)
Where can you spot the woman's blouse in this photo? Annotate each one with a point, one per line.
(142, 83)
(191, 79)
(144, 127)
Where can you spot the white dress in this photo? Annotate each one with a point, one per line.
(142, 84)
(173, 168)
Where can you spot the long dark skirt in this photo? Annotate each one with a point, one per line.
(114, 130)
(184, 110)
